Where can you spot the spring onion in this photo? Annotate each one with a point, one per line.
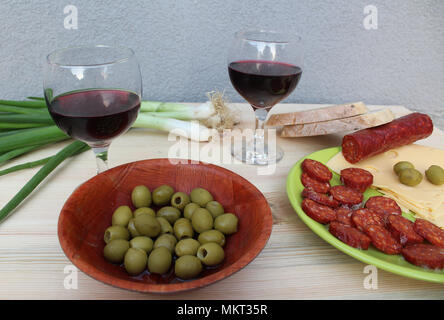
(36, 163)
(63, 154)
(20, 110)
(188, 129)
(37, 136)
(16, 152)
(26, 104)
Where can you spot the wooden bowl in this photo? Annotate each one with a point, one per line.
(87, 213)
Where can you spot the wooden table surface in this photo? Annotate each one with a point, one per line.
(295, 264)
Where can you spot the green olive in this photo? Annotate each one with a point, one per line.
(202, 220)
(115, 250)
(166, 240)
(159, 260)
(169, 213)
(212, 236)
(165, 226)
(435, 174)
(144, 210)
(183, 229)
(201, 196)
(141, 197)
(226, 223)
(210, 254)
(135, 261)
(115, 232)
(187, 267)
(132, 229)
(215, 208)
(147, 225)
(187, 247)
(398, 167)
(410, 177)
(189, 209)
(121, 216)
(142, 242)
(179, 200)
(162, 195)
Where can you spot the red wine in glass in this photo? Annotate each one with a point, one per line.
(93, 93)
(264, 67)
(263, 83)
(95, 116)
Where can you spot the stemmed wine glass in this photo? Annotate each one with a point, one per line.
(93, 93)
(264, 68)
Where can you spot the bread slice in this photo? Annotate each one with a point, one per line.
(317, 115)
(368, 120)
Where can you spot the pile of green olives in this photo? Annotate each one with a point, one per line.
(409, 176)
(185, 230)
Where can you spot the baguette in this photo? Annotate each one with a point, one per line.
(317, 115)
(359, 122)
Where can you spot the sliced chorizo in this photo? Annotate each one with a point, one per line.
(362, 218)
(424, 255)
(344, 216)
(349, 235)
(356, 178)
(346, 195)
(430, 232)
(383, 240)
(320, 198)
(318, 212)
(316, 170)
(383, 205)
(402, 230)
(308, 182)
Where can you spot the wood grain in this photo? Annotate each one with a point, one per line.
(295, 264)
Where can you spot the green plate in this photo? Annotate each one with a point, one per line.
(391, 263)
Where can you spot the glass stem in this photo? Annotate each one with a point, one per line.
(101, 158)
(259, 133)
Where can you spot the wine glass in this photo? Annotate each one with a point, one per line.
(264, 68)
(93, 93)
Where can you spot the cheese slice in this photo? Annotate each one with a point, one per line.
(426, 200)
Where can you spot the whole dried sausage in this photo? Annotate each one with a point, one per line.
(402, 131)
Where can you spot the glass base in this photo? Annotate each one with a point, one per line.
(249, 154)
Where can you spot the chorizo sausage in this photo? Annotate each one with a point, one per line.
(402, 131)
(424, 255)
(349, 235)
(318, 212)
(316, 170)
(357, 178)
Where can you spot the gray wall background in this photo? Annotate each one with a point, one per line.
(182, 46)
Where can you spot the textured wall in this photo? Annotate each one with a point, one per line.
(182, 46)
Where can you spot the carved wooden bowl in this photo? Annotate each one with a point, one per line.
(87, 213)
